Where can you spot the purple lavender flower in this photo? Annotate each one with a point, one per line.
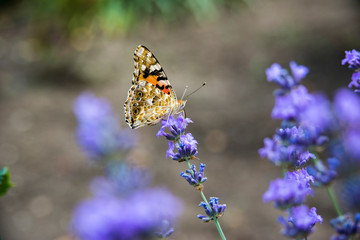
(350, 192)
(99, 133)
(288, 106)
(274, 72)
(299, 157)
(165, 230)
(122, 179)
(346, 104)
(186, 148)
(355, 81)
(300, 222)
(195, 178)
(302, 178)
(351, 139)
(317, 116)
(289, 147)
(298, 71)
(175, 126)
(137, 216)
(282, 77)
(345, 226)
(274, 151)
(279, 75)
(352, 58)
(289, 192)
(216, 210)
(324, 175)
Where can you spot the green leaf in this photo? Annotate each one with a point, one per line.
(5, 183)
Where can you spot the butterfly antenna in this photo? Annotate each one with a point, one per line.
(186, 88)
(195, 90)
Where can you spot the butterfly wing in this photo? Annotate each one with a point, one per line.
(148, 68)
(150, 98)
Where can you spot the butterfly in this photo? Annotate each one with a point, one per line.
(151, 97)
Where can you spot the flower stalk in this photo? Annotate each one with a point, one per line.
(183, 148)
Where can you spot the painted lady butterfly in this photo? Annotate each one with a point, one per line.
(151, 97)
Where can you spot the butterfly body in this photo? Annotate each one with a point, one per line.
(151, 97)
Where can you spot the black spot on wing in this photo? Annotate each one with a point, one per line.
(161, 78)
(161, 88)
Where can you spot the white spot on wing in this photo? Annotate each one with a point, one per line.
(140, 52)
(143, 67)
(149, 101)
(155, 67)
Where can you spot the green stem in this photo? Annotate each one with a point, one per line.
(334, 200)
(284, 170)
(216, 221)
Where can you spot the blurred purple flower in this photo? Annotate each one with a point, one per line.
(299, 158)
(350, 192)
(193, 177)
(324, 175)
(298, 71)
(216, 210)
(288, 147)
(352, 58)
(302, 177)
(346, 104)
(317, 116)
(138, 216)
(122, 179)
(99, 133)
(300, 222)
(281, 76)
(351, 139)
(355, 80)
(289, 192)
(274, 72)
(165, 230)
(284, 108)
(288, 106)
(186, 148)
(175, 126)
(275, 152)
(345, 226)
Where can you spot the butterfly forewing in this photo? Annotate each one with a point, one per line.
(150, 97)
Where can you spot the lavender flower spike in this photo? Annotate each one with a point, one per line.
(216, 210)
(175, 126)
(324, 175)
(345, 226)
(355, 81)
(299, 72)
(289, 192)
(352, 58)
(281, 76)
(300, 222)
(195, 178)
(165, 230)
(186, 147)
(99, 133)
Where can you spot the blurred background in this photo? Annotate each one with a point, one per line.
(51, 51)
